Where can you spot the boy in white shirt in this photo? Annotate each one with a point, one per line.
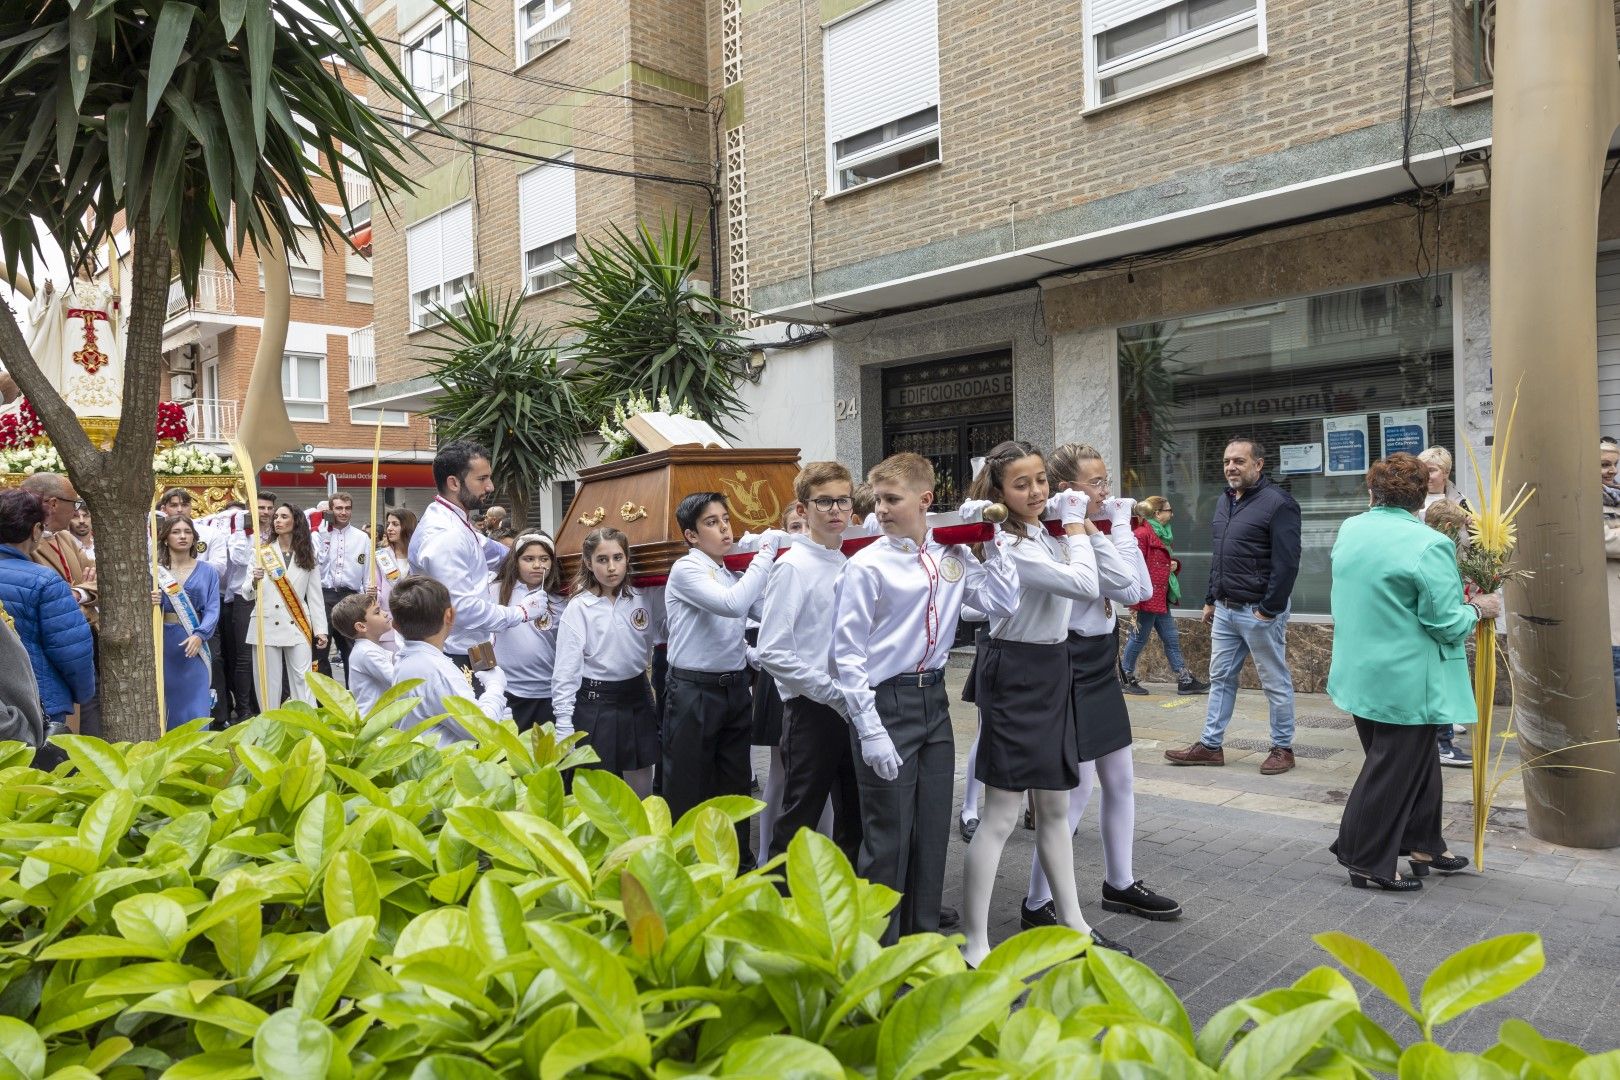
(897, 603)
(423, 618)
(707, 724)
(795, 638)
(361, 620)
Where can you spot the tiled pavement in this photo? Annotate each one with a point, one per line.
(1247, 857)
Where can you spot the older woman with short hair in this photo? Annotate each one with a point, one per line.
(1399, 668)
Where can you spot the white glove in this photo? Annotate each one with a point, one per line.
(773, 541)
(493, 699)
(564, 726)
(1118, 511)
(1070, 506)
(972, 510)
(878, 751)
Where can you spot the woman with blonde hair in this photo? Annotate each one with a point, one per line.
(1154, 538)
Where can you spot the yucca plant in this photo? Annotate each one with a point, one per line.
(648, 326)
(501, 384)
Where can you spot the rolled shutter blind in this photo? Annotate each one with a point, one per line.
(422, 254)
(546, 204)
(1608, 344)
(357, 265)
(882, 64)
(456, 241)
(309, 253)
(1107, 14)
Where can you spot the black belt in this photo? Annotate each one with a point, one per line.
(916, 678)
(597, 689)
(1238, 605)
(711, 678)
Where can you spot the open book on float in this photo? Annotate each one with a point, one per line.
(656, 431)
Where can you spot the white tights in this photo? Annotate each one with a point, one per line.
(1118, 821)
(1052, 840)
(775, 790)
(973, 790)
(640, 781)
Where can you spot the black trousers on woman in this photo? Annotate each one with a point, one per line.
(1394, 806)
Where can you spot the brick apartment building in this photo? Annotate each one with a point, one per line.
(1143, 224)
(209, 345)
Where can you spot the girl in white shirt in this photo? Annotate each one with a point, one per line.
(599, 679)
(526, 652)
(393, 563)
(1029, 741)
(293, 613)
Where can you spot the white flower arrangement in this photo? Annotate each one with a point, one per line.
(188, 461)
(29, 460)
(620, 443)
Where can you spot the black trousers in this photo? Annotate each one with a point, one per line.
(530, 712)
(243, 697)
(323, 662)
(1394, 807)
(817, 762)
(706, 730)
(220, 672)
(906, 822)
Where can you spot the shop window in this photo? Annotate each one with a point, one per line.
(1327, 383)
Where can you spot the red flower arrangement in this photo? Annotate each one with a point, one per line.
(22, 428)
(171, 421)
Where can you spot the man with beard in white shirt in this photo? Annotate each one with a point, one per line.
(898, 601)
(447, 548)
(343, 554)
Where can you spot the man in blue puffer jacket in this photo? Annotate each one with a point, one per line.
(45, 613)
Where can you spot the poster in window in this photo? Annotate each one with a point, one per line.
(1346, 444)
(1299, 458)
(1406, 431)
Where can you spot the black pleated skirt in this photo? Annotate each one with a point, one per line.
(1029, 739)
(970, 688)
(1103, 723)
(530, 712)
(767, 716)
(619, 722)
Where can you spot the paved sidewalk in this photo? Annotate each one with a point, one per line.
(1247, 857)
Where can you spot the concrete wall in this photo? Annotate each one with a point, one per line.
(793, 403)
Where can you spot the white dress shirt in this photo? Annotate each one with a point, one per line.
(707, 607)
(897, 609)
(216, 546)
(237, 543)
(1053, 574)
(344, 555)
(277, 624)
(1123, 575)
(606, 638)
(448, 549)
(526, 652)
(441, 679)
(796, 626)
(371, 673)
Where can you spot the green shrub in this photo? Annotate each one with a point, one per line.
(316, 894)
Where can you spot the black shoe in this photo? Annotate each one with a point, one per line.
(1029, 816)
(1400, 884)
(1190, 685)
(1446, 864)
(967, 827)
(1106, 943)
(1138, 899)
(1045, 915)
(949, 919)
(1129, 684)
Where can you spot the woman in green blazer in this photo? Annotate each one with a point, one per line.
(1399, 623)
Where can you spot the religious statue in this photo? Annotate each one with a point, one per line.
(78, 342)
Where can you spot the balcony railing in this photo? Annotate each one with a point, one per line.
(212, 419)
(1473, 39)
(216, 294)
(362, 357)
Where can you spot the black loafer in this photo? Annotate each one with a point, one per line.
(949, 919)
(1029, 918)
(1138, 899)
(1107, 943)
(967, 827)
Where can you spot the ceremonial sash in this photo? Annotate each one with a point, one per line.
(276, 571)
(388, 564)
(185, 609)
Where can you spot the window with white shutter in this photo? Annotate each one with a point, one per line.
(435, 63)
(882, 76)
(439, 263)
(546, 222)
(542, 25)
(303, 265)
(1135, 47)
(357, 277)
(303, 385)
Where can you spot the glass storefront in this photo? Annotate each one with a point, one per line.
(1328, 383)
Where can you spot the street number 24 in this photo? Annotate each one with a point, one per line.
(846, 410)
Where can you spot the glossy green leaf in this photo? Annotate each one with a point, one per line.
(452, 1067)
(781, 1056)
(823, 886)
(291, 1046)
(596, 979)
(349, 889)
(1427, 1061)
(1598, 1067)
(714, 839)
(610, 804)
(891, 966)
(156, 922)
(1479, 974)
(495, 919)
(1031, 952)
(1272, 1049)
(1551, 1056)
(930, 1025)
(214, 1065)
(585, 1046)
(105, 822)
(1128, 983)
(327, 971)
(1372, 966)
(22, 1051)
(1028, 1036)
(319, 827)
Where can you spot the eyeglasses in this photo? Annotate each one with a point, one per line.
(1098, 484)
(1168, 510)
(827, 504)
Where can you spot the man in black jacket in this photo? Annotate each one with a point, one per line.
(1254, 561)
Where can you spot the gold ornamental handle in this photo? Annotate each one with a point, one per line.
(593, 519)
(631, 512)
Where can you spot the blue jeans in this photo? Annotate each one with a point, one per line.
(1146, 623)
(1614, 650)
(1237, 633)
